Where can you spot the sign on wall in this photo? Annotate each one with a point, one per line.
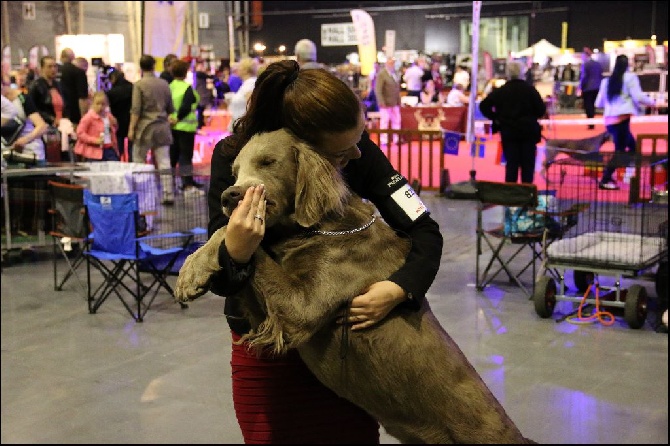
(29, 11)
(338, 34)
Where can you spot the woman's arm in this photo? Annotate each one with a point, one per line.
(40, 129)
(373, 177)
(187, 102)
(232, 276)
(602, 94)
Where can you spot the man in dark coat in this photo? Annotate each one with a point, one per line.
(589, 82)
(514, 109)
(75, 87)
(120, 98)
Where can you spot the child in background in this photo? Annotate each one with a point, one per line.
(96, 132)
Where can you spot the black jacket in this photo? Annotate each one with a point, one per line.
(371, 177)
(39, 92)
(120, 98)
(514, 109)
(74, 86)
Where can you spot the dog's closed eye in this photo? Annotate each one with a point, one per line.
(267, 161)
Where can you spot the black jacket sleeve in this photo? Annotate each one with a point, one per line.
(373, 177)
(39, 93)
(186, 104)
(226, 282)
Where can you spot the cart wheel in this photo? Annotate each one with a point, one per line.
(583, 279)
(635, 310)
(544, 297)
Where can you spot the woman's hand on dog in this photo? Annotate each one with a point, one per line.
(246, 226)
(371, 307)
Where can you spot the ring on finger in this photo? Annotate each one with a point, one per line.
(258, 216)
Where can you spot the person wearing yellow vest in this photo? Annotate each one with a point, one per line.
(184, 126)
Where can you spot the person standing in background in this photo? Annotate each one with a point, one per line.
(47, 94)
(184, 126)
(413, 82)
(149, 127)
(621, 97)
(166, 74)
(234, 79)
(74, 84)
(248, 69)
(204, 85)
(462, 76)
(120, 98)
(305, 54)
(48, 98)
(456, 97)
(96, 132)
(436, 76)
(590, 78)
(29, 141)
(567, 74)
(387, 91)
(515, 109)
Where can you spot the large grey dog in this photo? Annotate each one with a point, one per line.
(406, 371)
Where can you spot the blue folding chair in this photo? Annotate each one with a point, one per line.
(121, 250)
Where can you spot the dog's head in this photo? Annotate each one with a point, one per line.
(301, 186)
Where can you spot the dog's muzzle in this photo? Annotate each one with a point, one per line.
(231, 196)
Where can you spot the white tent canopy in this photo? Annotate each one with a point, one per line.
(540, 51)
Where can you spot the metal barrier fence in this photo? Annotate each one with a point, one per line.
(413, 153)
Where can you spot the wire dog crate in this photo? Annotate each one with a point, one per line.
(620, 233)
(185, 212)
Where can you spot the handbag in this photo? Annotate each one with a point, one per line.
(12, 130)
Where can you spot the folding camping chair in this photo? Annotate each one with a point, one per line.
(69, 230)
(516, 200)
(120, 251)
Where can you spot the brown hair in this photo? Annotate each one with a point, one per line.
(45, 59)
(179, 68)
(310, 103)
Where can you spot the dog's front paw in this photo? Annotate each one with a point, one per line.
(193, 280)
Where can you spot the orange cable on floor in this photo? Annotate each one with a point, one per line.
(604, 317)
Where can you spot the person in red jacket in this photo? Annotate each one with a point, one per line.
(96, 132)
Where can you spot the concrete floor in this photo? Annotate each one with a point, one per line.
(72, 377)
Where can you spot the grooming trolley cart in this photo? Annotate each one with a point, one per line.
(617, 233)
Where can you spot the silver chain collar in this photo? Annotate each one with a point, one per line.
(350, 231)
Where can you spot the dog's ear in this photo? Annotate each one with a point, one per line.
(319, 189)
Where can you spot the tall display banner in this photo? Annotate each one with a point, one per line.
(476, 10)
(164, 25)
(365, 34)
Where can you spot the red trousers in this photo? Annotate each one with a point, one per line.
(278, 400)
